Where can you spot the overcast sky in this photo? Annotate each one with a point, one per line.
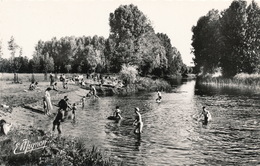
(31, 21)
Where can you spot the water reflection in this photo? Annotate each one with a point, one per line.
(171, 134)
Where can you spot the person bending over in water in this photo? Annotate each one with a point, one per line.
(117, 113)
(138, 122)
(206, 114)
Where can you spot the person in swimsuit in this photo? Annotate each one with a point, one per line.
(138, 122)
(206, 114)
(74, 108)
(47, 101)
(117, 113)
(83, 99)
(159, 96)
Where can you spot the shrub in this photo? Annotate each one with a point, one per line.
(128, 74)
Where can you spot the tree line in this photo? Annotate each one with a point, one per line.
(132, 42)
(228, 40)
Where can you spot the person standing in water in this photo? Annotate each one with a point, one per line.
(159, 96)
(138, 122)
(117, 113)
(206, 114)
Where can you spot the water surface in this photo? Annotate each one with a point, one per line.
(172, 135)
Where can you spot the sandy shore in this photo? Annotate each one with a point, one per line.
(32, 115)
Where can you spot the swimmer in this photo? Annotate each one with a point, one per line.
(138, 122)
(117, 113)
(206, 114)
(159, 96)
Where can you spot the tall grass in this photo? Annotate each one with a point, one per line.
(239, 80)
(59, 151)
(148, 84)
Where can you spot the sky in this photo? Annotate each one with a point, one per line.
(29, 21)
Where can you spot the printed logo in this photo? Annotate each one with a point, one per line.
(26, 146)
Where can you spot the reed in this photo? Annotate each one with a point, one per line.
(239, 80)
(148, 84)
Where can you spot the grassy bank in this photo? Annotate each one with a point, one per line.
(240, 80)
(57, 151)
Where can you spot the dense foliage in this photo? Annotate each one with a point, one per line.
(229, 40)
(132, 41)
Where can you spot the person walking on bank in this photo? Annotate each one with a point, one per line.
(57, 121)
(51, 79)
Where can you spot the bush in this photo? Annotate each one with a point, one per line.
(128, 74)
(59, 151)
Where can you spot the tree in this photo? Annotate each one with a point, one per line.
(251, 61)
(152, 55)
(233, 30)
(206, 42)
(128, 22)
(1, 50)
(12, 46)
(128, 25)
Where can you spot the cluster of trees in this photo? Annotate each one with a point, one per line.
(132, 42)
(229, 40)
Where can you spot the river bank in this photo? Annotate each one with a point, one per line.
(24, 110)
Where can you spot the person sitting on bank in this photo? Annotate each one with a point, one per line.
(54, 86)
(206, 115)
(5, 127)
(117, 113)
(33, 85)
(93, 91)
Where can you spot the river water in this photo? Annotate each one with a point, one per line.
(172, 135)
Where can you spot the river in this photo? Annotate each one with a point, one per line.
(172, 135)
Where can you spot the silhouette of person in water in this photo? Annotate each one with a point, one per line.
(138, 122)
(206, 115)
